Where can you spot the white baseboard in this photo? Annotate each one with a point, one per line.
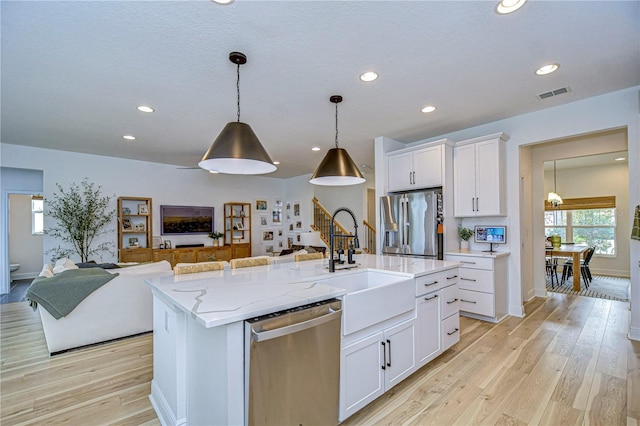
(162, 408)
(634, 333)
(610, 272)
(24, 275)
(516, 311)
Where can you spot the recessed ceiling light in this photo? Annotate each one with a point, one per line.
(620, 159)
(215, 172)
(129, 137)
(509, 6)
(547, 69)
(315, 148)
(276, 162)
(145, 108)
(222, 1)
(428, 108)
(369, 76)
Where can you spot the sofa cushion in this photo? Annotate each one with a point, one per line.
(63, 264)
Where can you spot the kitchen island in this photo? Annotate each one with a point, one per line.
(199, 371)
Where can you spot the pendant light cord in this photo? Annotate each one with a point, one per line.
(336, 125)
(555, 187)
(238, 91)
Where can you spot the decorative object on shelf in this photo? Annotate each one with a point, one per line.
(126, 210)
(126, 224)
(216, 236)
(337, 168)
(133, 242)
(553, 197)
(143, 209)
(237, 149)
(81, 207)
(167, 244)
(464, 234)
(556, 241)
(139, 227)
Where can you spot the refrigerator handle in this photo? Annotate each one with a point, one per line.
(406, 223)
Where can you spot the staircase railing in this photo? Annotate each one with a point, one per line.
(368, 240)
(322, 222)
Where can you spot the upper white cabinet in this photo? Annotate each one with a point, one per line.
(478, 174)
(415, 169)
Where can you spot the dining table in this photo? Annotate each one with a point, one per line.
(574, 251)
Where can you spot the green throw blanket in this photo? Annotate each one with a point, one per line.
(60, 294)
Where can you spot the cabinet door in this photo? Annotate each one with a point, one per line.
(167, 255)
(450, 331)
(400, 346)
(185, 256)
(223, 253)
(400, 172)
(488, 179)
(135, 255)
(241, 250)
(428, 312)
(464, 180)
(204, 254)
(427, 166)
(361, 374)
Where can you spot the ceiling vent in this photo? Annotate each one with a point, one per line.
(554, 92)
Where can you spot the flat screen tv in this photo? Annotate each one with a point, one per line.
(186, 220)
(490, 234)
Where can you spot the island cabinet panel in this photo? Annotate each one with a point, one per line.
(373, 365)
(429, 316)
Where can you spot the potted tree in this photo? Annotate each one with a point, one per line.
(82, 217)
(464, 234)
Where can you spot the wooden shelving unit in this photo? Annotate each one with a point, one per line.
(134, 229)
(237, 228)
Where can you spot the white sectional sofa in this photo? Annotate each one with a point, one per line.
(122, 307)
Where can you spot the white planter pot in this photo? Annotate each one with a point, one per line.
(464, 245)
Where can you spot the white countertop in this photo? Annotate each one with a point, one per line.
(222, 297)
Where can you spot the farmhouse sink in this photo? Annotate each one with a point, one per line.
(372, 297)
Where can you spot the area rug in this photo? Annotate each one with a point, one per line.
(602, 287)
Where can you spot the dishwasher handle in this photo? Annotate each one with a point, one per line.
(261, 336)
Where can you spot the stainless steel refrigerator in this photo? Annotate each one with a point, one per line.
(412, 223)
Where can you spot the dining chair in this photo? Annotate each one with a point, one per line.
(299, 257)
(245, 262)
(192, 268)
(585, 271)
(551, 264)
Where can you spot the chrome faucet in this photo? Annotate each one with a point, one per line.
(356, 242)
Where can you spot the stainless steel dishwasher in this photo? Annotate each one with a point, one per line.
(293, 370)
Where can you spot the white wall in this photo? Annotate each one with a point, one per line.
(600, 181)
(24, 248)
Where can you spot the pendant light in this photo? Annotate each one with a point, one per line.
(553, 197)
(337, 168)
(237, 149)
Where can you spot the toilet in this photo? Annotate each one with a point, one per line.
(12, 268)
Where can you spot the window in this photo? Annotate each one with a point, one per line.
(593, 223)
(37, 215)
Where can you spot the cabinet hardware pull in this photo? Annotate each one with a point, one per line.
(389, 363)
(468, 279)
(470, 263)
(431, 298)
(453, 301)
(452, 277)
(473, 205)
(384, 354)
(427, 285)
(468, 301)
(453, 332)
(477, 205)
(410, 182)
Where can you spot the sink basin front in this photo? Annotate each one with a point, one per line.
(372, 297)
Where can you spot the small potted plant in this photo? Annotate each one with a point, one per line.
(216, 236)
(465, 234)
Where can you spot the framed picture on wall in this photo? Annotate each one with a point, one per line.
(261, 205)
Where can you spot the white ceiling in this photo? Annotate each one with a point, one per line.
(73, 72)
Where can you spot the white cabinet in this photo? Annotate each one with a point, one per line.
(483, 286)
(415, 169)
(478, 174)
(436, 302)
(372, 365)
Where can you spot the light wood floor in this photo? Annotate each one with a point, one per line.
(567, 362)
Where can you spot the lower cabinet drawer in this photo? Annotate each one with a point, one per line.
(450, 331)
(476, 302)
(450, 301)
(476, 280)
